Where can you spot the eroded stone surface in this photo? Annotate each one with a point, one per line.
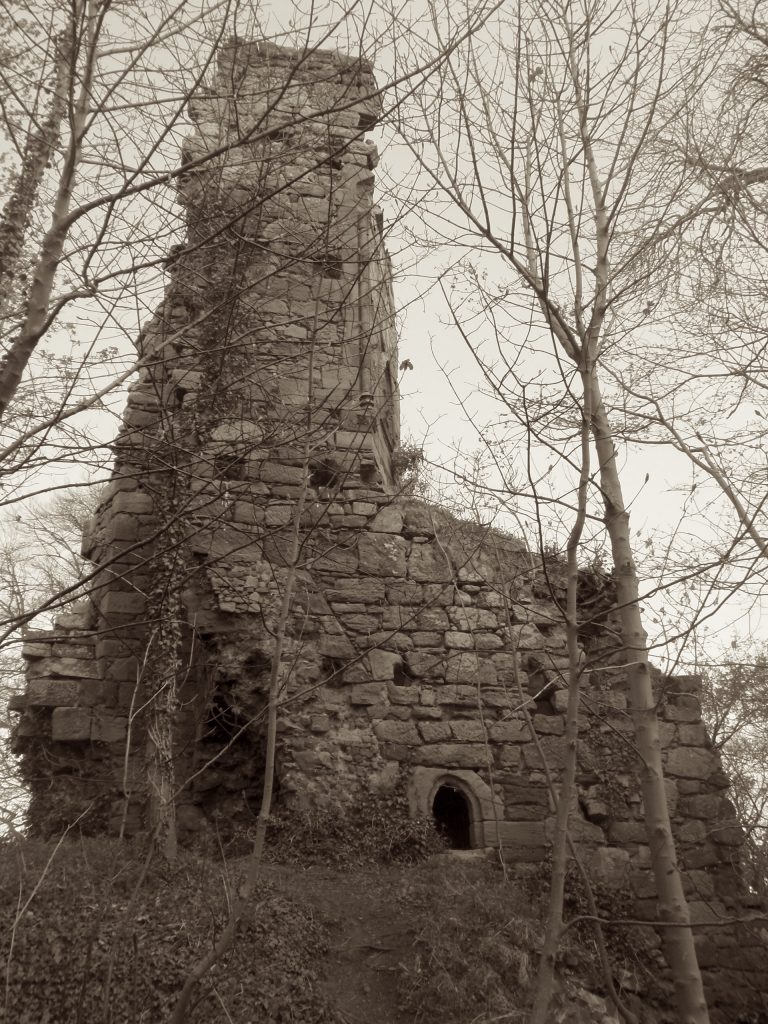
(414, 643)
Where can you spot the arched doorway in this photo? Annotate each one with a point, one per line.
(484, 809)
(451, 812)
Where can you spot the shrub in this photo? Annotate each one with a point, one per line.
(376, 830)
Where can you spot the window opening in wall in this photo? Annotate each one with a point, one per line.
(369, 474)
(332, 267)
(402, 675)
(450, 809)
(224, 723)
(229, 467)
(322, 474)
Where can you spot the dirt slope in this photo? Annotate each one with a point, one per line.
(372, 932)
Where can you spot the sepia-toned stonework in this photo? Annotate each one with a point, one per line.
(264, 423)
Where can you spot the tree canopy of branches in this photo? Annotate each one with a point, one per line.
(536, 154)
(568, 154)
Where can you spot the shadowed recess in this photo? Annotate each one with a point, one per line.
(451, 813)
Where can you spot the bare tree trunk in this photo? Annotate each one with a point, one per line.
(681, 951)
(624, 1012)
(38, 152)
(163, 666)
(545, 977)
(18, 355)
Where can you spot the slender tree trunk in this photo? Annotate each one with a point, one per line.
(38, 152)
(673, 907)
(38, 302)
(163, 667)
(546, 973)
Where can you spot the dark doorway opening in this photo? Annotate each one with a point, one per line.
(450, 809)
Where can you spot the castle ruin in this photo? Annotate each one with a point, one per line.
(260, 444)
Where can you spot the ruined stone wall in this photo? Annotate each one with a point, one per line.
(262, 427)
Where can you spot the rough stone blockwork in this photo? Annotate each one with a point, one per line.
(265, 416)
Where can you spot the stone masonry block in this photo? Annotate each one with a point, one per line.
(384, 663)
(513, 731)
(455, 755)
(405, 593)
(402, 694)
(425, 664)
(434, 732)
(690, 762)
(74, 620)
(334, 559)
(704, 805)
(428, 564)
(692, 735)
(418, 519)
(52, 692)
(422, 639)
(98, 691)
(364, 509)
(549, 725)
(552, 747)
(137, 503)
(523, 833)
(72, 650)
(119, 669)
(397, 732)
(459, 641)
(467, 667)
(468, 731)
(382, 554)
(470, 619)
(36, 650)
(122, 527)
(367, 693)
(686, 708)
(109, 728)
(276, 473)
(367, 591)
(509, 758)
(460, 696)
(71, 668)
(422, 711)
(70, 725)
(388, 520)
(122, 602)
(432, 618)
(609, 865)
(621, 832)
(487, 641)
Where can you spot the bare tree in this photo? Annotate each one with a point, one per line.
(531, 143)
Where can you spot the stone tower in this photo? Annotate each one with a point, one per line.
(256, 460)
(269, 369)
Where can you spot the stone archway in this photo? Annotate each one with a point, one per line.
(464, 793)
